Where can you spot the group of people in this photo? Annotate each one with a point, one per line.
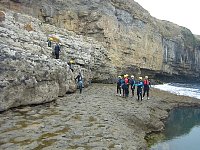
(124, 83)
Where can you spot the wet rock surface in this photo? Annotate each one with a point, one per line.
(95, 119)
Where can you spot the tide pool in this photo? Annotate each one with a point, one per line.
(182, 131)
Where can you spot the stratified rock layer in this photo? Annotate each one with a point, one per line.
(31, 79)
(136, 42)
(29, 72)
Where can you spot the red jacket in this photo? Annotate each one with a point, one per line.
(146, 82)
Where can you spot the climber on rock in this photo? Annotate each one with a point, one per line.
(49, 42)
(70, 63)
(57, 50)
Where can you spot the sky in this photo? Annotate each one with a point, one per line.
(182, 12)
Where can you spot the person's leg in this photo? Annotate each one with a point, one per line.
(127, 91)
(80, 86)
(80, 90)
(144, 92)
(132, 89)
(148, 93)
(57, 56)
(120, 91)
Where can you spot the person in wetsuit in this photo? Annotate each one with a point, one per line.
(57, 50)
(147, 84)
(139, 88)
(132, 83)
(79, 80)
(126, 85)
(119, 84)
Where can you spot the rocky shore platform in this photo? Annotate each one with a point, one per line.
(97, 119)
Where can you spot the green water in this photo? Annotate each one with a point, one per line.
(182, 131)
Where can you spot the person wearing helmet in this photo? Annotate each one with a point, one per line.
(79, 80)
(146, 86)
(49, 41)
(119, 84)
(57, 50)
(139, 89)
(132, 83)
(126, 86)
(71, 66)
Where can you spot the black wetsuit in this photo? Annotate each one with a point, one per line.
(119, 83)
(57, 51)
(132, 83)
(139, 90)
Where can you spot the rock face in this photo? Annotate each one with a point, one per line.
(31, 79)
(28, 72)
(104, 38)
(136, 42)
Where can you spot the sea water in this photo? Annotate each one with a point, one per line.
(185, 89)
(182, 130)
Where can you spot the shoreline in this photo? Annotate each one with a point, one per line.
(97, 118)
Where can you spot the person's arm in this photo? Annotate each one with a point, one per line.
(140, 84)
(136, 83)
(76, 78)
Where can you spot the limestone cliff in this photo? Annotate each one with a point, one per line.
(105, 38)
(29, 74)
(135, 40)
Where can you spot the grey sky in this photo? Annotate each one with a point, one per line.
(182, 12)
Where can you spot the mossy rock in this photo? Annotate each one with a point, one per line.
(154, 138)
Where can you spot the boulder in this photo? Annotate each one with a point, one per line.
(31, 79)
